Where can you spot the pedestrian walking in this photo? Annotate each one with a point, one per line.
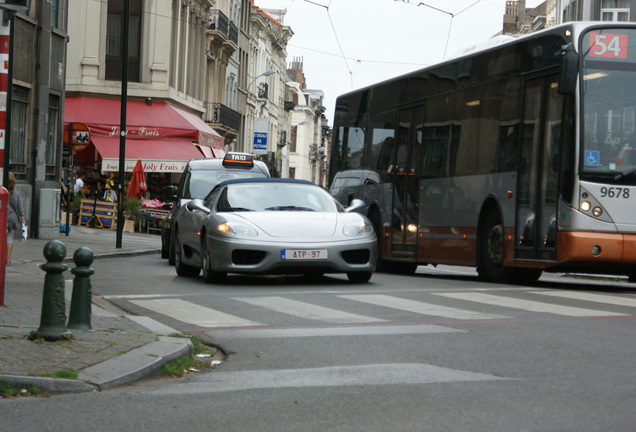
(15, 219)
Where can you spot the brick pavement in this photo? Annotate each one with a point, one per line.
(114, 333)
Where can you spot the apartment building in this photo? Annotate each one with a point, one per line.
(32, 147)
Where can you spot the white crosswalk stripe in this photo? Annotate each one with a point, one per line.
(194, 314)
(308, 311)
(191, 313)
(598, 298)
(528, 305)
(421, 307)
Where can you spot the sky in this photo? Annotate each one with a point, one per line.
(349, 44)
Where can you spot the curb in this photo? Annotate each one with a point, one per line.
(114, 372)
(49, 385)
(119, 254)
(137, 363)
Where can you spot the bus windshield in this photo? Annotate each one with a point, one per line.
(609, 102)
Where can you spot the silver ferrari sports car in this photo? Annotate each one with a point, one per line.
(272, 226)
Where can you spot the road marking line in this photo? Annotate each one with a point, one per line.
(528, 305)
(129, 296)
(421, 307)
(194, 314)
(597, 298)
(370, 330)
(338, 376)
(307, 311)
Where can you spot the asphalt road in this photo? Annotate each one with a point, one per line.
(436, 351)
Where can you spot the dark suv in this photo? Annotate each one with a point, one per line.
(199, 178)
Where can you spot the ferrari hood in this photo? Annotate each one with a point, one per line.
(294, 224)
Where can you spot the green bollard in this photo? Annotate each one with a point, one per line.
(79, 317)
(53, 306)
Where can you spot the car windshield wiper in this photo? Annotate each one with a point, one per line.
(625, 174)
(235, 209)
(290, 208)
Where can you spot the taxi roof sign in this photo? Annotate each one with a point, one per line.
(238, 159)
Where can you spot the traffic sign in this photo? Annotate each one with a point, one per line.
(81, 136)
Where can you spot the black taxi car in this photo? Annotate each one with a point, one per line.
(199, 178)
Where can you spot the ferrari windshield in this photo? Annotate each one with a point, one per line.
(609, 102)
(275, 197)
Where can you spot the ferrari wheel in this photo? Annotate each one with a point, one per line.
(359, 277)
(209, 276)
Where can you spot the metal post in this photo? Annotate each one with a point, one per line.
(122, 127)
(79, 317)
(7, 131)
(53, 318)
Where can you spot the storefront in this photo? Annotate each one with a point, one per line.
(162, 136)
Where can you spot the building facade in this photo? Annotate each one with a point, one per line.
(34, 145)
(172, 70)
(224, 36)
(265, 108)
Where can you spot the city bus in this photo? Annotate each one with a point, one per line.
(514, 158)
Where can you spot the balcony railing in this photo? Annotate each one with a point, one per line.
(217, 113)
(219, 21)
(234, 32)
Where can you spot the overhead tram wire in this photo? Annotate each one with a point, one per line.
(450, 26)
(344, 58)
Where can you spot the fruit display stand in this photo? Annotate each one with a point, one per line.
(153, 218)
(98, 214)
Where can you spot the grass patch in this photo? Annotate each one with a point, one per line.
(9, 390)
(181, 366)
(61, 374)
(187, 364)
(198, 347)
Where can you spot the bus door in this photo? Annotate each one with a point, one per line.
(404, 218)
(538, 168)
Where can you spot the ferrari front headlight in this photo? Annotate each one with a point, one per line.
(357, 229)
(237, 229)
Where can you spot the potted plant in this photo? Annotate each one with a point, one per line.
(75, 209)
(132, 209)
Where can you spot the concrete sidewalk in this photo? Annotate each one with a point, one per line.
(121, 349)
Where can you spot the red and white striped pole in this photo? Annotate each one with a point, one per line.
(4, 79)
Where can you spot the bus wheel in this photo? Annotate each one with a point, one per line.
(526, 275)
(631, 277)
(492, 250)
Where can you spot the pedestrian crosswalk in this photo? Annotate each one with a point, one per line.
(382, 310)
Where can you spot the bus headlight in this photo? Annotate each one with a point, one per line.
(586, 206)
(597, 211)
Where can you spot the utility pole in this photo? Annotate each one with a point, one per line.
(122, 127)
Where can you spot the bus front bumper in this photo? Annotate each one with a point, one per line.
(596, 247)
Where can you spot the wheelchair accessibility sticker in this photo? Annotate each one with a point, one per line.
(592, 158)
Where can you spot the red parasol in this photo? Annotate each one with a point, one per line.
(137, 185)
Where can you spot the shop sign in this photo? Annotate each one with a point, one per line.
(112, 165)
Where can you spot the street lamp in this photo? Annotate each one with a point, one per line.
(264, 74)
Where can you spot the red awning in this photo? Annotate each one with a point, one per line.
(155, 155)
(157, 121)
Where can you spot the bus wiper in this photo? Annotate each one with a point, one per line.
(625, 174)
(292, 208)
